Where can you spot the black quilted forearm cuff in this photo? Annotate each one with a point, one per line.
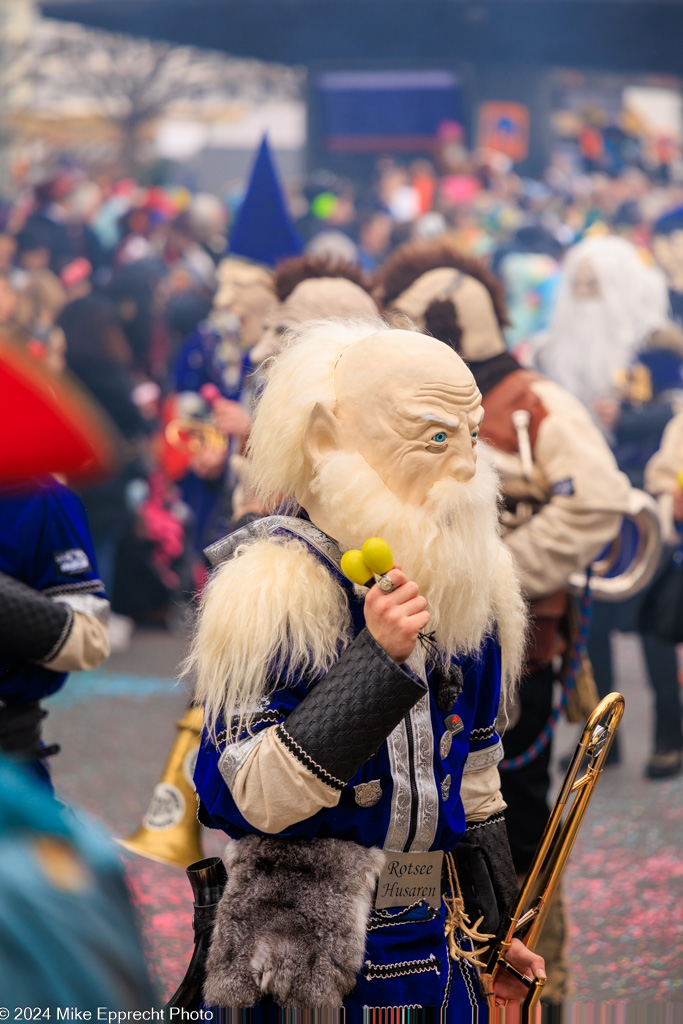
(31, 625)
(348, 715)
(492, 836)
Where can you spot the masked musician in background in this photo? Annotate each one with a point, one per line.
(53, 610)
(563, 496)
(350, 736)
(663, 478)
(612, 343)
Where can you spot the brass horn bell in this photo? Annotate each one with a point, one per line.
(627, 565)
(170, 831)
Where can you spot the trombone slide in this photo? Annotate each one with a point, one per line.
(531, 909)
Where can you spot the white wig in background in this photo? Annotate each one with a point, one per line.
(300, 376)
(589, 340)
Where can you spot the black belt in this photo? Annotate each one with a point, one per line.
(20, 729)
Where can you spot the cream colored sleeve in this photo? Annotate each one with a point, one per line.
(86, 646)
(481, 795)
(588, 496)
(270, 787)
(663, 468)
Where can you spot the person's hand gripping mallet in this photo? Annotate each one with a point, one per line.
(395, 611)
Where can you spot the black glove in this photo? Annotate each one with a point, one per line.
(31, 625)
(487, 873)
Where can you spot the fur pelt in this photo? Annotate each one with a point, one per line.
(292, 272)
(291, 923)
(413, 259)
(272, 604)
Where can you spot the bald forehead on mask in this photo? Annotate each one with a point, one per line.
(411, 407)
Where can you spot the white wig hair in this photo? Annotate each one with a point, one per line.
(296, 380)
(589, 341)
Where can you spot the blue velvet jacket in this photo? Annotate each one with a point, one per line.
(406, 797)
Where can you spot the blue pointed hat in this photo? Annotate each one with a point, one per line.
(264, 231)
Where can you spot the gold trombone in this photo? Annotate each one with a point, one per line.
(533, 902)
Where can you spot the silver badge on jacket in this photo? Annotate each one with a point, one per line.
(367, 794)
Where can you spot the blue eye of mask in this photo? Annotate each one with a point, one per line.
(440, 437)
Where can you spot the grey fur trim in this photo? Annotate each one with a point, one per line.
(291, 923)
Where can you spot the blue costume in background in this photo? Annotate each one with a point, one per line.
(404, 798)
(45, 543)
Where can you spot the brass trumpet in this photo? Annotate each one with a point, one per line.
(189, 435)
(530, 911)
(170, 831)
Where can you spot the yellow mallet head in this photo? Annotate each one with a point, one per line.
(354, 567)
(378, 556)
(361, 566)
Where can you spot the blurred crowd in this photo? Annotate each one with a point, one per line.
(140, 294)
(165, 305)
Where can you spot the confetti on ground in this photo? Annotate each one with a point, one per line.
(623, 885)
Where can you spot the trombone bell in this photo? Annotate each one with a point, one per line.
(170, 831)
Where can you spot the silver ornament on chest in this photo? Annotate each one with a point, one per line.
(367, 794)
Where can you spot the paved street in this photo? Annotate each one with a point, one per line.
(625, 879)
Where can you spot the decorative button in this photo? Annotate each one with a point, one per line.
(367, 794)
(454, 724)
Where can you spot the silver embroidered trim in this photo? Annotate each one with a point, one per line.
(447, 990)
(399, 822)
(485, 824)
(374, 971)
(464, 971)
(420, 722)
(84, 587)
(234, 756)
(221, 550)
(61, 639)
(483, 734)
(480, 759)
(427, 792)
(378, 921)
(96, 607)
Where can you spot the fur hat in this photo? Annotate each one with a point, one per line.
(453, 297)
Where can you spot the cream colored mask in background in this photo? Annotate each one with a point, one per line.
(481, 334)
(316, 298)
(246, 291)
(409, 406)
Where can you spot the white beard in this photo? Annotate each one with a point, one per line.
(450, 547)
(587, 344)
